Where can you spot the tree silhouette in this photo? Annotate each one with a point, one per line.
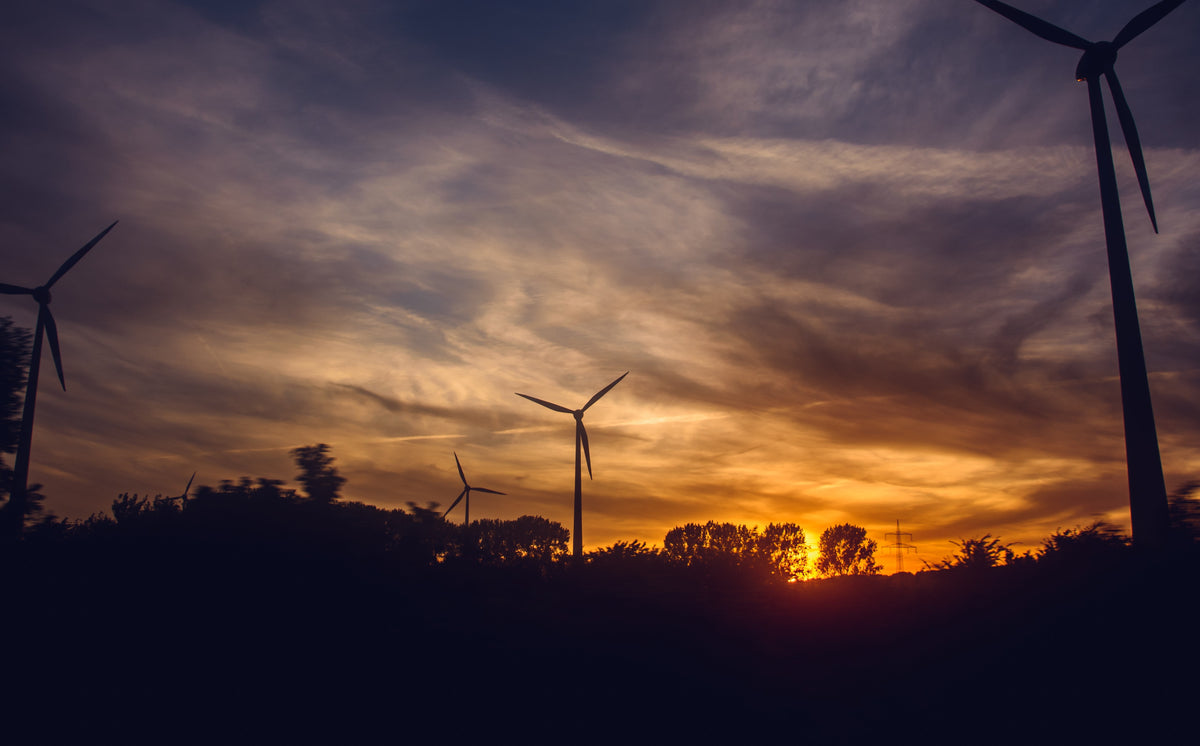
(782, 548)
(127, 508)
(1184, 510)
(694, 543)
(320, 478)
(14, 364)
(1085, 546)
(633, 567)
(977, 554)
(778, 551)
(846, 550)
(622, 551)
(421, 536)
(528, 538)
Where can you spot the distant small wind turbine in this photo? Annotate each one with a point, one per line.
(184, 497)
(1147, 490)
(581, 439)
(466, 493)
(15, 510)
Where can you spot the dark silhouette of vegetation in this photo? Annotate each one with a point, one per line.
(528, 539)
(280, 616)
(1097, 543)
(977, 554)
(14, 363)
(257, 609)
(622, 552)
(262, 517)
(846, 550)
(1185, 514)
(779, 550)
(15, 344)
(320, 478)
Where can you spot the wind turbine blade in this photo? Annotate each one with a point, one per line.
(581, 433)
(1033, 24)
(1131, 139)
(188, 489)
(485, 489)
(52, 336)
(461, 476)
(603, 391)
(457, 500)
(66, 266)
(14, 290)
(1145, 20)
(547, 404)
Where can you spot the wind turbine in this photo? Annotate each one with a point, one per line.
(184, 497)
(15, 510)
(580, 439)
(1147, 490)
(187, 489)
(467, 494)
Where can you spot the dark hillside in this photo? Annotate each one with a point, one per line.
(306, 629)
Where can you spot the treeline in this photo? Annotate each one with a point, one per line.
(251, 612)
(263, 518)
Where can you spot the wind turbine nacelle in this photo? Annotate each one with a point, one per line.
(41, 294)
(1098, 59)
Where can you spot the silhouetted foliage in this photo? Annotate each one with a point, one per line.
(421, 537)
(250, 603)
(1099, 543)
(320, 478)
(259, 521)
(977, 554)
(846, 550)
(1184, 508)
(529, 539)
(47, 529)
(127, 508)
(778, 551)
(784, 551)
(622, 551)
(15, 344)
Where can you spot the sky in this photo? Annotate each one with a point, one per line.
(850, 253)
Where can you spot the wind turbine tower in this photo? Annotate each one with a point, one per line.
(12, 517)
(1147, 489)
(581, 441)
(466, 493)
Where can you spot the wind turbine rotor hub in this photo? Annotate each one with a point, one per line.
(1098, 59)
(41, 294)
(578, 415)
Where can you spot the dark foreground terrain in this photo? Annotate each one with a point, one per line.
(153, 640)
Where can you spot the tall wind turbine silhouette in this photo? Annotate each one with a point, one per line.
(15, 510)
(1147, 490)
(467, 494)
(581, 439)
